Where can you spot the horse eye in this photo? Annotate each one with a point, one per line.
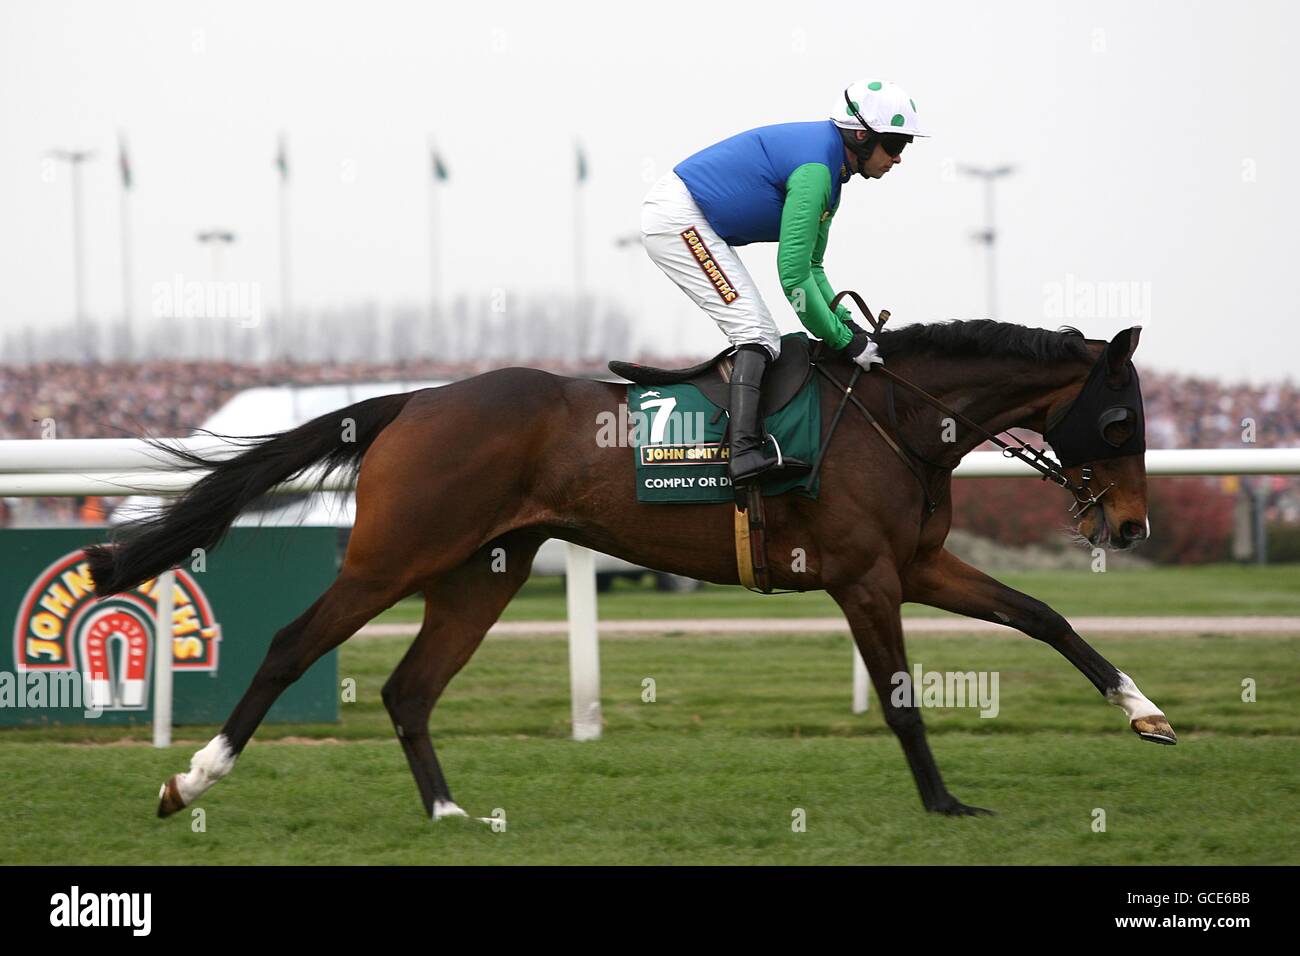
(1117, 426)
(1117, 433)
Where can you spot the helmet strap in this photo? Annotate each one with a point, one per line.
(866, 147)
(861, 148)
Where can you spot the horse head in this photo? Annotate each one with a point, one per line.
(1099, 437)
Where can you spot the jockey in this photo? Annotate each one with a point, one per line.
(773, 184)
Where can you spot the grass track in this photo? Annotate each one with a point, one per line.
(1216, 589)
(743, 731)
(647, 800)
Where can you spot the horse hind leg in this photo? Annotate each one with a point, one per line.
(348, 603)
(872, 609)
(459, 608)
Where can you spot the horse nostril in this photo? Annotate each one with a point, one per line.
(1133, 531)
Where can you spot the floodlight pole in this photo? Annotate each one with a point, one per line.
(988, 236)
(74, 158)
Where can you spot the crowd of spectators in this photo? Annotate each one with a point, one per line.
(1188, 412)
(163, 398)
(171, 398)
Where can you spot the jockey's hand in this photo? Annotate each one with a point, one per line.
(862, 351)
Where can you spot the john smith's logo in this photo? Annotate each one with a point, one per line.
(62, 626)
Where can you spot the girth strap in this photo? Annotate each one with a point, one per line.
(751, 542)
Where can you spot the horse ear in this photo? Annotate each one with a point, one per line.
(1120, 351)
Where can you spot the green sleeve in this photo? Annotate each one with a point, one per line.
(819, 274)
(805, 225)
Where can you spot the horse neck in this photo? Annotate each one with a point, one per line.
(995, 392)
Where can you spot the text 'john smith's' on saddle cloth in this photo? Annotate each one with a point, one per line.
(677, 436)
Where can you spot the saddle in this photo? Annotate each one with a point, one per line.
(781, 382)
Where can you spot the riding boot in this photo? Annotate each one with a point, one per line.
(752, 453)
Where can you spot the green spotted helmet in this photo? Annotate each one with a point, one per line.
(879, 105)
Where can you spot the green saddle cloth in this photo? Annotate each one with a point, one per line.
(676, 435)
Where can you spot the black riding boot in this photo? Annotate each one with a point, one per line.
(752, 453)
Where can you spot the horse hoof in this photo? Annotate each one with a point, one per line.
(169, 798)
(1155, 729)
(955, 808)
(446, 808)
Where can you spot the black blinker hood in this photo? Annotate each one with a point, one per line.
(1077, 436)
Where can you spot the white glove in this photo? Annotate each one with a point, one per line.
(869, 354)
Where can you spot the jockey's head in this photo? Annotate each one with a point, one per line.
(876, 119)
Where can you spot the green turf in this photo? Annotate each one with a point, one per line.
(1220, 589)
(647, 799)
(743, 732)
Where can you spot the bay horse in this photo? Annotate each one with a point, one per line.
(509, 458)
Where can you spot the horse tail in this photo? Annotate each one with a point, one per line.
(201, 516)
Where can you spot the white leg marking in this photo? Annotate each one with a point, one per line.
(447, 808)
(206, 767)
(1131, 700)
(1148, 528)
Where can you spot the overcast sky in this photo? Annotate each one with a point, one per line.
(1152, 144)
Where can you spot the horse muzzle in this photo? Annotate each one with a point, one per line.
(1127, 536)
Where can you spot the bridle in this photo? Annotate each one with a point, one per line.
(1085, 496)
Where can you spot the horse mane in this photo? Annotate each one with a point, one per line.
(984, 337)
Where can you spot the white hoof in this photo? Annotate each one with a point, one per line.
(207, 766)
(1132, 701)
(447, 808)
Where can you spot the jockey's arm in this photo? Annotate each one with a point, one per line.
(805, 227)
(819, 274)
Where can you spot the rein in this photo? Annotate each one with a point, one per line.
(1084, 496)
(848, 396)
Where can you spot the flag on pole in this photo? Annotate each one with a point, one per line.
(124, 164)
(282, 158)
(439, 167)
(582, 164)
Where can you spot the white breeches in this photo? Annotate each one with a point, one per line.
(683, 244)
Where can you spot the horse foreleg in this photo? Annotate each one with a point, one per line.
(350, 602)
(872, 608)
(459, 607)
(943, 580)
